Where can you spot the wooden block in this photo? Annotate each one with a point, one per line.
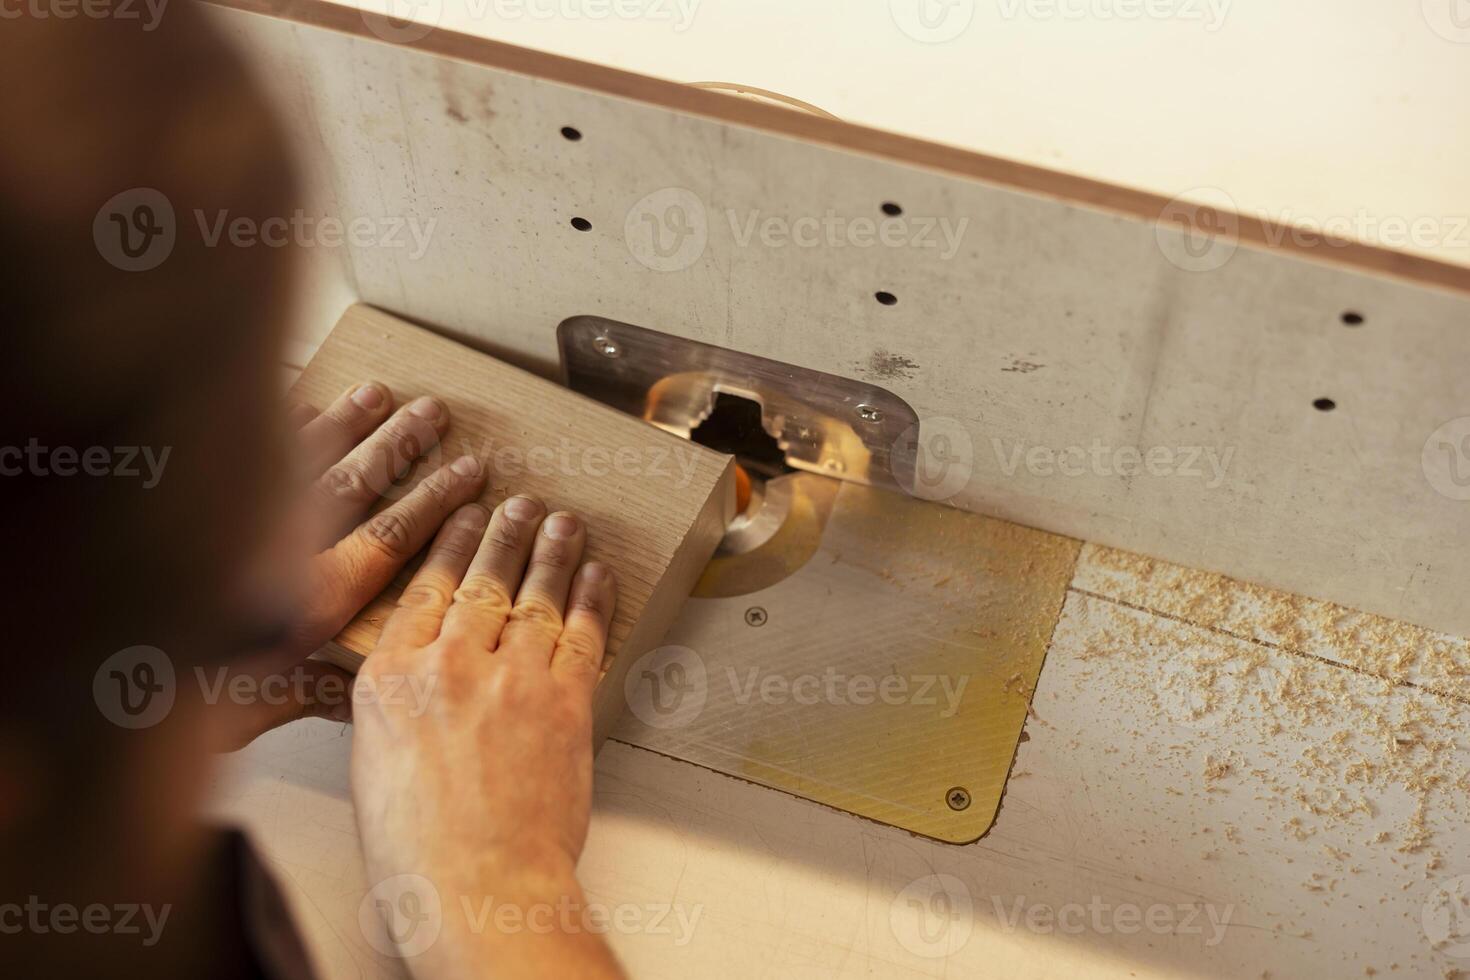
(656, 505)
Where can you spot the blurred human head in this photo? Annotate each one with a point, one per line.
(111, 365)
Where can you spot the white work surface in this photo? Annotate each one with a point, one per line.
(1218, 781)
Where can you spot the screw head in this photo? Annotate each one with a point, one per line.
(755, 616)
(958, 798)
(869, 414)
(606, 346)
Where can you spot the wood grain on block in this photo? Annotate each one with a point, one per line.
(656, 505)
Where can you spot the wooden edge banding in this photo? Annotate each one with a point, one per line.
(837, 133)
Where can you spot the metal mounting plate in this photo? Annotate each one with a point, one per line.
(824, 423)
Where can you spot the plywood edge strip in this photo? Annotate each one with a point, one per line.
(1072, 189)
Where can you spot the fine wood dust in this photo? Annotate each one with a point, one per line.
(1329, 727)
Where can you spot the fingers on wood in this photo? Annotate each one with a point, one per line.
(430, 593)
(364, 562)
(329, 436)
(355, 482)
(579, 651)
(483, 602)
(537, 618)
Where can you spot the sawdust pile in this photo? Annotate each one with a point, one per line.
(1386, 648)
(1250, 688)
(1368, 736)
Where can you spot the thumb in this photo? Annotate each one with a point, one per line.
(311, 689)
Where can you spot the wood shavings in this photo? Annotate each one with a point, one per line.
(1387, 648)
(1373, 736)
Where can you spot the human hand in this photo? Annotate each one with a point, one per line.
(351, 454)
(481, 783)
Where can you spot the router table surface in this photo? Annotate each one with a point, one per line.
(1216, 781)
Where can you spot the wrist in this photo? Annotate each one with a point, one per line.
(524, 869)
(528, 919)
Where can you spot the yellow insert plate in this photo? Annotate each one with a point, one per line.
(887, 672)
